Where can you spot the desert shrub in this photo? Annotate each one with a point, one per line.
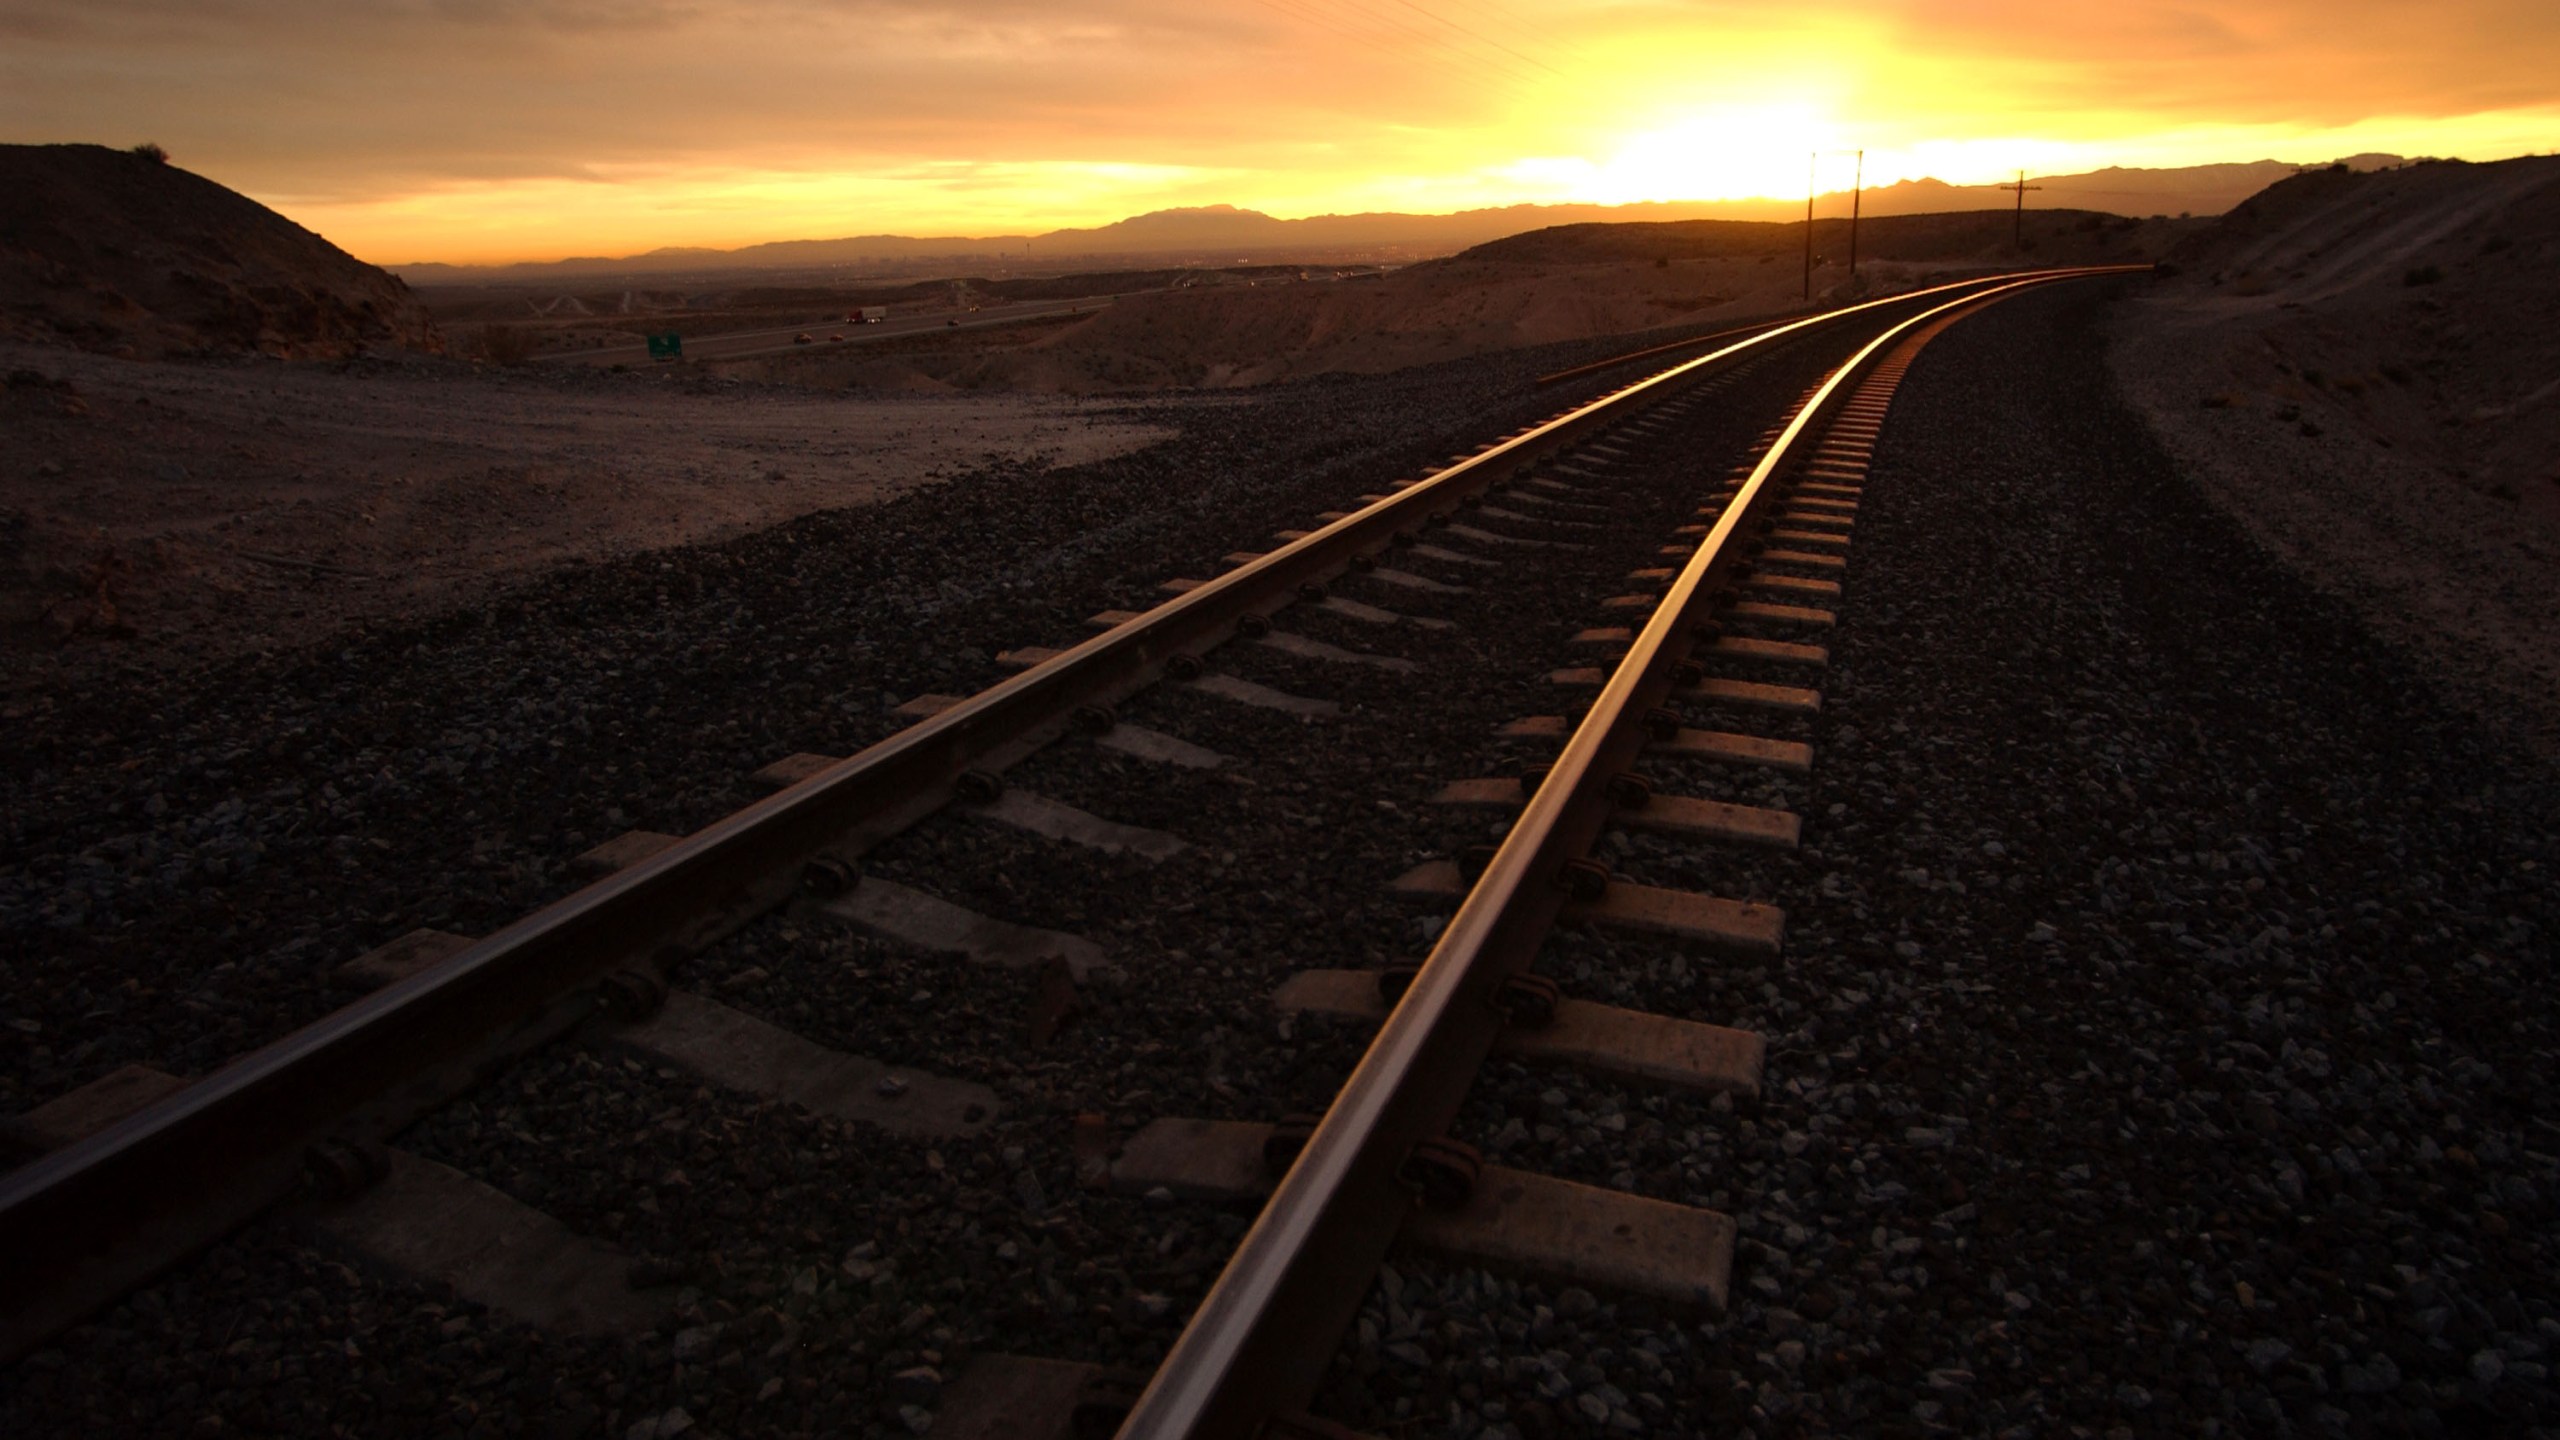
(152, 153)
(2422, 275)
(506, 344)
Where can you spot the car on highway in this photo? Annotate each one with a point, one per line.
(835, 339)
(803, 338)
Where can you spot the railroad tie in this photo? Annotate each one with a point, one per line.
(730, 1047)
(1372, 615)
(1447, 556)
(1790, 698)
(1736, 926)
(1629, 1045)
(1515, 1219)
(1664, 814)
(1306, 649)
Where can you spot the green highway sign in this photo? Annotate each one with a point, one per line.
(669, 346)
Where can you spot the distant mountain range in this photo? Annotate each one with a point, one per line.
(1227, 234)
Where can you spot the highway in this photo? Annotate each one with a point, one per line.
(775, 340)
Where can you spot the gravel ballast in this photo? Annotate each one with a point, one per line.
(807, 1264)
(2154, 1050)
(2160, 1037)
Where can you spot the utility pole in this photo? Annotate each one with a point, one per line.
(2018, 230)
(1856, 184)
(1808, 224)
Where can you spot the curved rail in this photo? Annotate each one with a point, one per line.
(1261, 1339)
(82, 1225)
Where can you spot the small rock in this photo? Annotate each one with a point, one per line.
(660, 1427)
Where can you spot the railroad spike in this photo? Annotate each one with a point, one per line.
(1443, 1172)
(344, 1169)
(1584, 880)
(827, 877)
(631, 995)
(1530, 1001)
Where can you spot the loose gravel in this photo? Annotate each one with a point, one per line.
(2160, 1038)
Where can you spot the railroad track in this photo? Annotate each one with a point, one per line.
(1722, 615)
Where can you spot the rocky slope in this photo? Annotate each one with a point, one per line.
(120, 251)
(2363, 368)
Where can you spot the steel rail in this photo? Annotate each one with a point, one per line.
(1263, 1335)
(1554, 377)
(86, 1223)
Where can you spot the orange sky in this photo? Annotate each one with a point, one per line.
(486, 130)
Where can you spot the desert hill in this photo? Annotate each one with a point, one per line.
(1569, 283)
(113, 250)
(2060, 237)
(2364, 366)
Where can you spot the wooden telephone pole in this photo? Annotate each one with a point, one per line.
(1808, 224)
(2018, 229)
(1857, 185)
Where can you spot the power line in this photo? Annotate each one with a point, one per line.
(1447, 46)
(1483, 39)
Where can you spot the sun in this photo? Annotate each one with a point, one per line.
(1725, 153)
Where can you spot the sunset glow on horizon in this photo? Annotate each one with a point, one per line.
(494, 130)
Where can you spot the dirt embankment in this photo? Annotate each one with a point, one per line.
(122, 252)
(2365, 368)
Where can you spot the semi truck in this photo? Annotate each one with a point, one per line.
(867, 315)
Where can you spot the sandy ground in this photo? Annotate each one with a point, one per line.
(173, 514)
(2397, 441)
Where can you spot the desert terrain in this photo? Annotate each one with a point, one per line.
(232, 437)
(1240, 326)
(181, 513)
(2364, 369)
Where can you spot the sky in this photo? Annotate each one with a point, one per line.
(495, 130)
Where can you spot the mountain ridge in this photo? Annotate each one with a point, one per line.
(2199, 189)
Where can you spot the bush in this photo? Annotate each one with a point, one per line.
(152, 153)
(506, 344)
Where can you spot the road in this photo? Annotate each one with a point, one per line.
(741, 344)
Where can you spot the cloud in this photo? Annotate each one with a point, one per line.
(392, 112)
